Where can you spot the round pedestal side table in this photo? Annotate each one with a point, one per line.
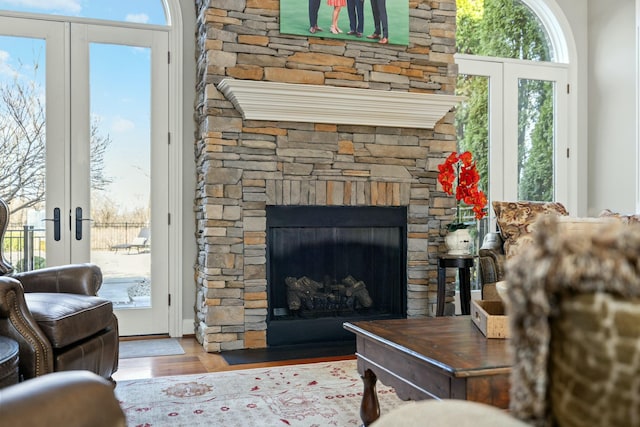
(8, 362)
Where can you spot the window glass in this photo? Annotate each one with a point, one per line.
(138, 11)
(501, 28)
(120, 203)
(472, 122)
(473, 136)
(22, 143)
(536, 140)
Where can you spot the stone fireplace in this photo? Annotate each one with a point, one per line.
(295, 122)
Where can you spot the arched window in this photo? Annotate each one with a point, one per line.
(513, 71)
(501, 28)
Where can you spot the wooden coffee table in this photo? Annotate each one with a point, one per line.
(430, 358)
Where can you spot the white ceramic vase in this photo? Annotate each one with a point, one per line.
(458, 242)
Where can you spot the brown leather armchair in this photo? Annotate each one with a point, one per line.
(70, 399)
(58, 321)
(57, 318)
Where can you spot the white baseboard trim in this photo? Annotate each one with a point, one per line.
(188, 327)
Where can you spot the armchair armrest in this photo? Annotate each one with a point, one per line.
(84, 279)
(16, 322)
(491, 259)
(70, 399)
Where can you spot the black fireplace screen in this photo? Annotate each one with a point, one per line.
(329, 262)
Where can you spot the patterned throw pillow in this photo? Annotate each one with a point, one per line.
(515, 220)
(607, 213)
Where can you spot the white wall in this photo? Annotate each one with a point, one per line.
(575, 16)
(189, 250)
(612, 107)
(604, 35)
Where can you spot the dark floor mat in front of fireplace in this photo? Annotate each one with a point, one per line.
(289, 352)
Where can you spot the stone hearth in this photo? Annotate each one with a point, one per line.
(245, 165)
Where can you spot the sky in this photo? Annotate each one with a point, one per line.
(120, 85)
(141, 11)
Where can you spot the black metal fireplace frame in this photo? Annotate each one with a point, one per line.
(330, 329)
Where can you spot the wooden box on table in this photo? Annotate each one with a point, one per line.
(490, 318)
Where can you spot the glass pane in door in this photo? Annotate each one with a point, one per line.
(472, 129)
(472, 122)
(23, 148)
(120, 133)
(536, 140)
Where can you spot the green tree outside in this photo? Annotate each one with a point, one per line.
(507, 29)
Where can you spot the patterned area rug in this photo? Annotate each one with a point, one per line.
(309, 395)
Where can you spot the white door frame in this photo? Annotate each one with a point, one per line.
(175, 175)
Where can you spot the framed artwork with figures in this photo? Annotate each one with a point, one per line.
(369, 21)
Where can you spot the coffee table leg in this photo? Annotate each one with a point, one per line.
(370, 407)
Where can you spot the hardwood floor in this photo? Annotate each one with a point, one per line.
(194, 361)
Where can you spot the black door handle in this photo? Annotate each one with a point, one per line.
(56, 223)
(78, 223)
(79, 220)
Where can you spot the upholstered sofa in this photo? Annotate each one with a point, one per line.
(573, 303)
(515, 222)
(57, 318)
(69, 399)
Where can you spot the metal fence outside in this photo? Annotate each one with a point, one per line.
(24, 245)
(105, 235)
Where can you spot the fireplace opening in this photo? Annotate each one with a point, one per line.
(331, 264)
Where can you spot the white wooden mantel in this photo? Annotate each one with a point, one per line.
(289, 102)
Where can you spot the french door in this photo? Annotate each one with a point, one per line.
(509, 130)
(103, 124)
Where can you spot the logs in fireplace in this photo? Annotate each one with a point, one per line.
(328, 265)
(310, 298)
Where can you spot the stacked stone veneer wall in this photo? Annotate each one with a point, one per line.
(243, 165)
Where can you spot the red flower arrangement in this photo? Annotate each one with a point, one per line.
(459, 173)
